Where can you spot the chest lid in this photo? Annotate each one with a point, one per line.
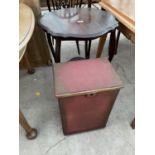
(85, 77)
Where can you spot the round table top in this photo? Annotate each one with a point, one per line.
(26, 27)
(80, 23)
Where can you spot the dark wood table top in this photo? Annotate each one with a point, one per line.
(79, 23)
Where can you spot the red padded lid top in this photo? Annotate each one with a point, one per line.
(84, 77)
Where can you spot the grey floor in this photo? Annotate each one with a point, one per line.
(42, 112)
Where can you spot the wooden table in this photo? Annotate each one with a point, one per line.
(37, 48)
(26, 27)
(77, 24)
(124, 11)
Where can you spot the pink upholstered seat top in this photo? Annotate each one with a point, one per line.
(85, 77)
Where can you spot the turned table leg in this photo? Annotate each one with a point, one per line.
(58, 50)
(101, 45)
(133, 124)
(87, 48)
(27, 63)
(112, 45)
(31, 133)
(117, 40)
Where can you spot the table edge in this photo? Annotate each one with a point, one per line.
(128, 22)
(27, 37)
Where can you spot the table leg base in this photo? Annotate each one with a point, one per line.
(32, 134)
(49, 62)
(133, 124)
(31, 71)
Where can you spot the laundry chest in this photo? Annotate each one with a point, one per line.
(86, 91)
